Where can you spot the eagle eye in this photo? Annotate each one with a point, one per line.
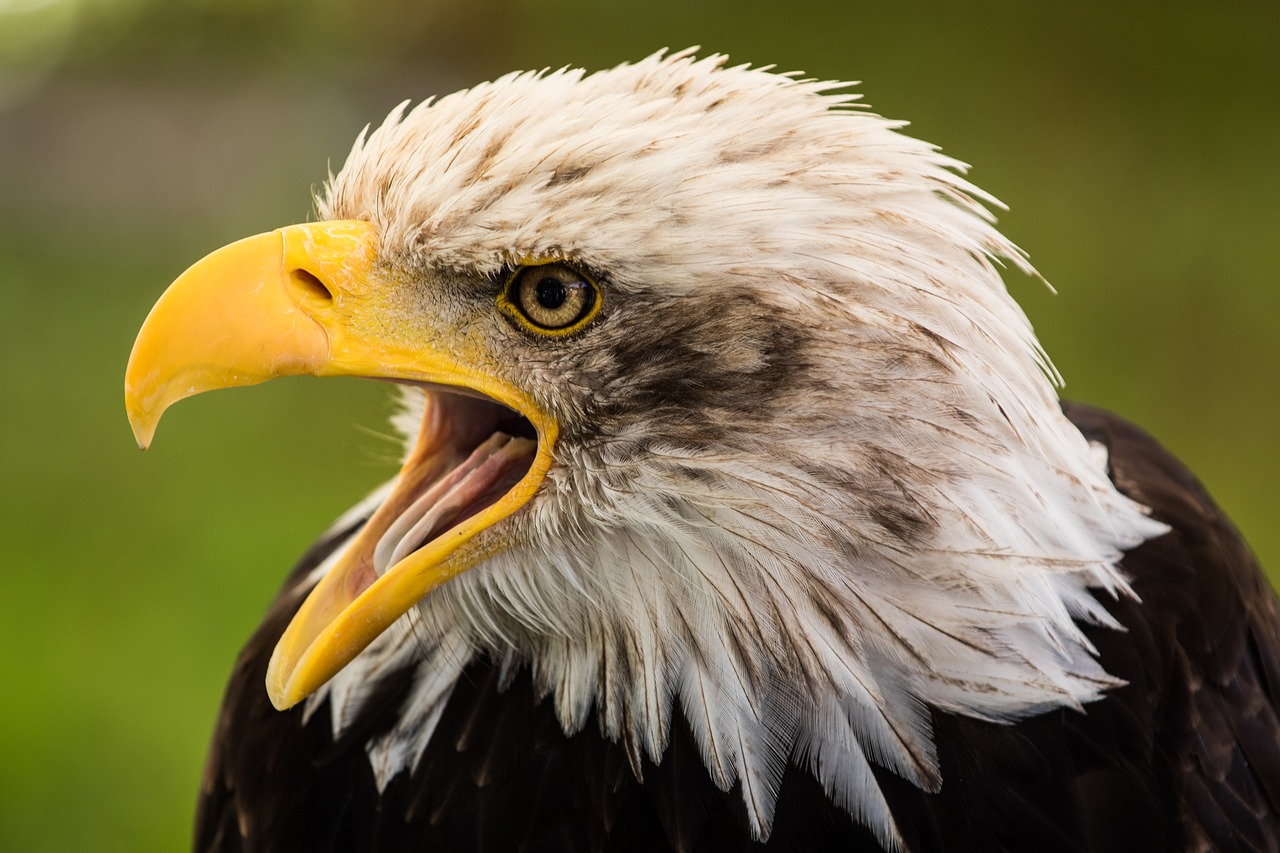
(551, 298)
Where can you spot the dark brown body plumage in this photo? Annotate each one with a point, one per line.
(1186, 756)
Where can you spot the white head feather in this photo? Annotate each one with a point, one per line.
(894, 516)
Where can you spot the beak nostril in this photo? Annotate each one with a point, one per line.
(310, 287)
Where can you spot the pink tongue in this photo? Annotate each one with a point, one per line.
(484, 477)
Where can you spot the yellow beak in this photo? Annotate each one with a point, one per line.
(310, 299)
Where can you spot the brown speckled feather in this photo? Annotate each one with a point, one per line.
(1186, 756)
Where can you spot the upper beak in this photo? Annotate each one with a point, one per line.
(309, 299)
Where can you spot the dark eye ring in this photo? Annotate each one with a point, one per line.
(551, 298)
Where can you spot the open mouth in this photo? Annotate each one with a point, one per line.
(475, 462)
(470, 452)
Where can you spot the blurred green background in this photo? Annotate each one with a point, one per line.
(1135, 143)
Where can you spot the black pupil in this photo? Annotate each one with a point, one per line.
(551, 293)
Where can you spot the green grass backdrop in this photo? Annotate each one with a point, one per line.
(1135, 144)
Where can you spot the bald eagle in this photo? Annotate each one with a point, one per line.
(738, 509)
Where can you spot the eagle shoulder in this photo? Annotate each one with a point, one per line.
(1202, 650)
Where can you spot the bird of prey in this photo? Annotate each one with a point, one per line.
(739, 509)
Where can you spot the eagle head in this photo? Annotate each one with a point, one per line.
(718, 406)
